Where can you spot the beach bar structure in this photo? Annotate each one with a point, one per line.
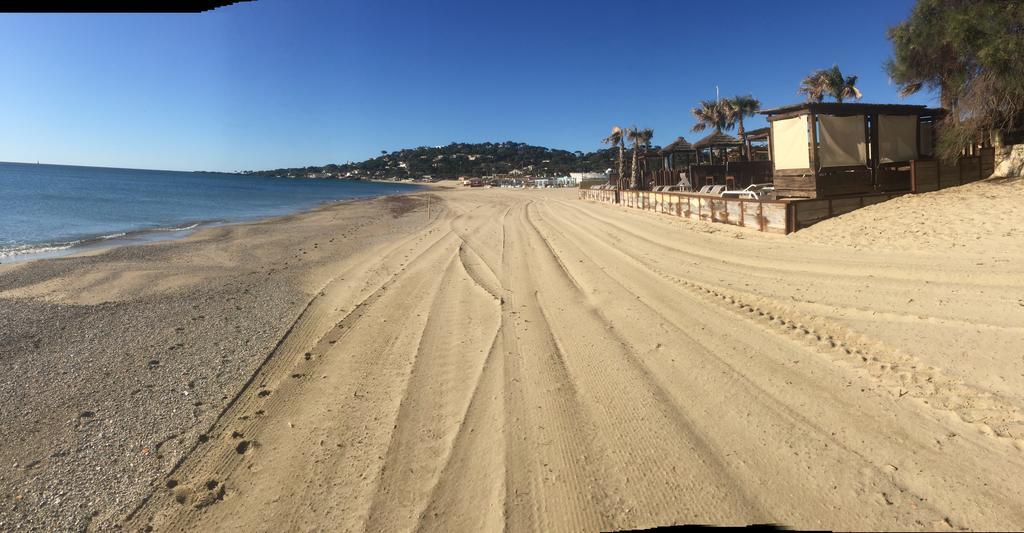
(826, 150)
(717, 141)
(679, 154)
(673, 160)
(757, 144)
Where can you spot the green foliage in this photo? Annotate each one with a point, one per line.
(742, 106)
(641, 139)
(462, 159)
(969, 52)
(829, 82)
(616, 141)
(713, 114)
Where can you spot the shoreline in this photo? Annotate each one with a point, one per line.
(136, 237)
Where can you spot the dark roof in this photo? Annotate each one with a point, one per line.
(717, 138)
(854, 108)
(678, 145)
(760, 133)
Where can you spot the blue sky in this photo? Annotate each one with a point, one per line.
(277, 83)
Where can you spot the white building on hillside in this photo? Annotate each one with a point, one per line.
(578, 177)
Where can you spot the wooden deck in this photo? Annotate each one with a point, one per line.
(792, 214)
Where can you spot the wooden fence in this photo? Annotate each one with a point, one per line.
(772, 216)
(806, 212)
(934, 174)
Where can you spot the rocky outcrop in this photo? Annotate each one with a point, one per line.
(1009, 160)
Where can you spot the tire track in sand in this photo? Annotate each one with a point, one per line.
(660, 464)
(550, 483)
(461, 327)
(271, 394)
(900, 372)
(878, 478)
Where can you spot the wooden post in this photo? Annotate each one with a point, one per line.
(812, 132)
(917, 137)
(913, 172)
(874, 150)
(812, 128)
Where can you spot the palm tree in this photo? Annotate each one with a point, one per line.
(633, 134)
(712, 114)
(739, 107)
(615, 139)
(814, 86)
(829, 82)
(643, 139)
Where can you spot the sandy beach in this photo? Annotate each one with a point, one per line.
(523, 360)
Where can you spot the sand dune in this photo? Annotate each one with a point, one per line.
(978, 218)
(528, 361)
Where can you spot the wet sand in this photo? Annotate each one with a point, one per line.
(517, 360)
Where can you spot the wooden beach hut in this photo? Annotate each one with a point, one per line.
(825, 150)
(718, 142)
(679, 154)
(667, 165)
(757, 144)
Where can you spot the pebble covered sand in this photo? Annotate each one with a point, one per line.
(102, 392)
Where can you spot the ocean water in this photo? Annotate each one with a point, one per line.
(51, 209)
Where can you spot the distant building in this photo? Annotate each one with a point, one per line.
(578, 177)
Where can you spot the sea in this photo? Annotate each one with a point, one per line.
(48, 210)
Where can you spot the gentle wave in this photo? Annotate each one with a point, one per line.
(26, 249)
(18, 250)
(183, 228)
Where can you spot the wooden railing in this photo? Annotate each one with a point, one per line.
(772, 216)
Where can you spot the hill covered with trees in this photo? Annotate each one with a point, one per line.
(460, 159)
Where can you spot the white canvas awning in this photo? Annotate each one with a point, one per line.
(897, 138)
(790, 144)
(842, 141)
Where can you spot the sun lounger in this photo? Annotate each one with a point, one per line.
(752, 192)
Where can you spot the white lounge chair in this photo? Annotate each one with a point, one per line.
(752, 192)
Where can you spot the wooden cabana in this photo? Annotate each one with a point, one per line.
(825, 150)
(653, 159)
(679, 154)
(716, 141)
(757, 144)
